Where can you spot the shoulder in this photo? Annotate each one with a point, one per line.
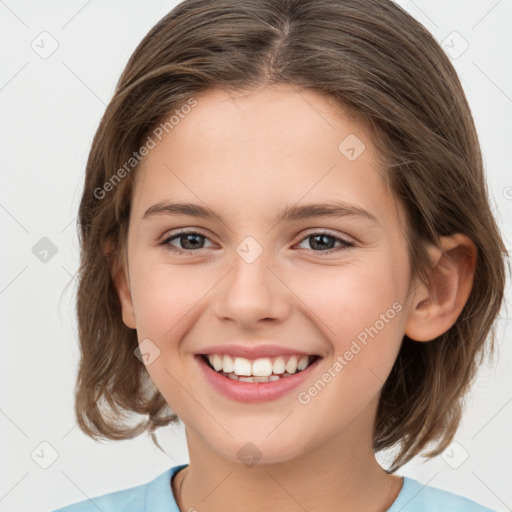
(418, 497)
(153, 495)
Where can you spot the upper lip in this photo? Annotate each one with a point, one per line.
(254, 351)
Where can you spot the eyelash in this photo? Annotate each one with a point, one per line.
(166, 242)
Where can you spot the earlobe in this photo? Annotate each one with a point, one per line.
(435, 307)
(121, 284)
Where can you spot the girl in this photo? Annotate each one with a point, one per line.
(286, 244)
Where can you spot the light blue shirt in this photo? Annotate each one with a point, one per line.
(156, 496)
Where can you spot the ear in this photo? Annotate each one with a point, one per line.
(435, 307)
(121, 281)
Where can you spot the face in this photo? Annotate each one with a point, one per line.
(335, 286)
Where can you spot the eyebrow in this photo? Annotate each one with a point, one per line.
(290, 213)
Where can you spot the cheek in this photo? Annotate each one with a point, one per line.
(164, 293)
(164, 297)
(347, 298)
(358, 308)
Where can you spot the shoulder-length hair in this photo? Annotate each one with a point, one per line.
(385, 69)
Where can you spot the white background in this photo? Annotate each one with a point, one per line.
(50, 111)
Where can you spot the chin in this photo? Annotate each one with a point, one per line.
(259, 450)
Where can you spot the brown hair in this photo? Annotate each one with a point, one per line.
(388, 71)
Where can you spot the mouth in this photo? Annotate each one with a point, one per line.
(258, 380)
(258, 370)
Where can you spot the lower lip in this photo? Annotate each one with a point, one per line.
(254, 391)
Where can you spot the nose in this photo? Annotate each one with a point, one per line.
(253, 293)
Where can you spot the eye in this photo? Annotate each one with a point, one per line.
(320, 240)
(190, 240)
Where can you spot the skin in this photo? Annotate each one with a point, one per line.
(246, 156)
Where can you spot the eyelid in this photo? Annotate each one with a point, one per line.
(328, 232)
(185, 231)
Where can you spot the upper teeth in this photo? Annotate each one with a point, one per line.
(262, 367)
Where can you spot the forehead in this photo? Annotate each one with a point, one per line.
(259, 149)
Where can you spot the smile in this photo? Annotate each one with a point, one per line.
(265, 369)
(257, 380)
